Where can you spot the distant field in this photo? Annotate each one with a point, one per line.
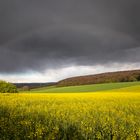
(100, 115)
(132, 89)
(86, 88)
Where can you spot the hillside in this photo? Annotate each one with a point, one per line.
(110, 77)
(87, 88)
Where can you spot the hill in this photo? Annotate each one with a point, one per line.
(110, 77)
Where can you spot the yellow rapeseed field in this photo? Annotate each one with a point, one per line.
(73, 116)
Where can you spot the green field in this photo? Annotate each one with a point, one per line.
(132, 89)
(84, 88)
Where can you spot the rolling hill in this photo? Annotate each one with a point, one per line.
(110, 77)
(89, 83)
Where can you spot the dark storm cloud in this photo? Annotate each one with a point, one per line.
(35, 35)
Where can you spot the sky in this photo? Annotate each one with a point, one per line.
(48, 40)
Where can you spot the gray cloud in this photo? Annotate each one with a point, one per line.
(36, 35)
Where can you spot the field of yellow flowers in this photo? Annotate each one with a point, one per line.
(76, 116)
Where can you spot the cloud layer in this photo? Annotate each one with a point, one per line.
(39, 35)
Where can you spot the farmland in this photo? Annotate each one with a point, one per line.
(96, 115)
(84, 88)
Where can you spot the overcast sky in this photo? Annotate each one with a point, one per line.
(48, 40)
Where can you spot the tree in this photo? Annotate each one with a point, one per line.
(138, 77)
(128, 79)
(6, 87)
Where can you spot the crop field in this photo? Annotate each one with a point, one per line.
(89, 116)
(85, 88)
